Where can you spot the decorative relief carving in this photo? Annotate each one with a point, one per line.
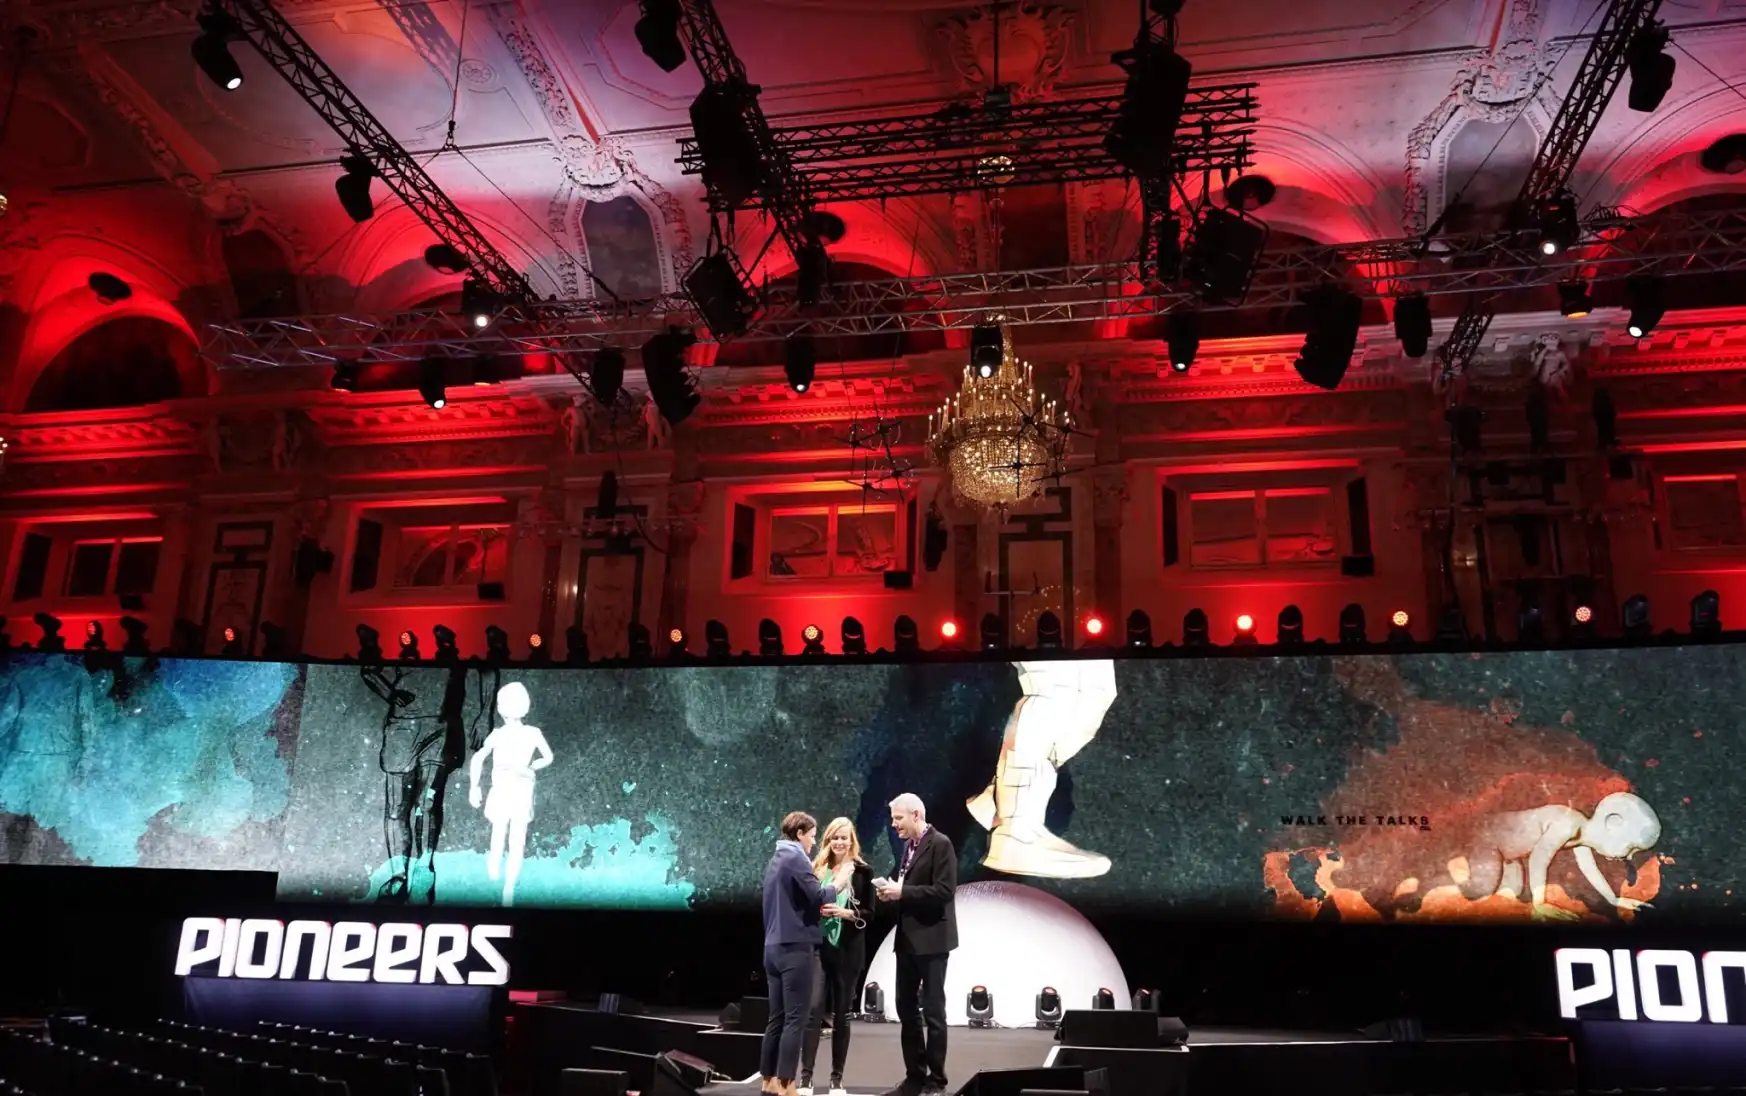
(133, 439)
(1550, 365)
(630, 422)
(1032, 48)
(399, 423)
(467, 455)
(1109, 494)
(542, 518)
(309, 518)
(1192, 417)
(964, 231)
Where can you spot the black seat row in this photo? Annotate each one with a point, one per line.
(369, 1066)
(468, 1074)
(32, 1064)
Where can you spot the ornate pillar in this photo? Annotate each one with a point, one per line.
(1109, 497)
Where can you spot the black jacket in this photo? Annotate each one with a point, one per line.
(927, 918)
(852, 940)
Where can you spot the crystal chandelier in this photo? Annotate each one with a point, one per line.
(996, 437)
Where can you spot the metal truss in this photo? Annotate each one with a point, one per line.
(1614, 247)
(965, 147)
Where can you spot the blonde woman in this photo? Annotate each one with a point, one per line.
(844, 954)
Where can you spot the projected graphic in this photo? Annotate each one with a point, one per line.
(1597, 786)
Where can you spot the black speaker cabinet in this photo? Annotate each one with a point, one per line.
(1109, 1028)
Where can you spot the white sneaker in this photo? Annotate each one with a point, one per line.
(839, 1091)
(804, 1090)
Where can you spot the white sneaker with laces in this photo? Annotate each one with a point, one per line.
(839, 1091)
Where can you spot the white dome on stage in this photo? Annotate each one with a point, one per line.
(1015, 940)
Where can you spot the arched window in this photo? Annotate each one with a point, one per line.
(123, 363)
(622, 250)
(260, 276)
(1486, 164)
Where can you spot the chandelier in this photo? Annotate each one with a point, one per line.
(996, 437)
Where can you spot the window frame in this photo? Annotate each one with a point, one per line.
(833, 526)
(1664, 514)
(117, 545)
(453, 532)
(1260, 494)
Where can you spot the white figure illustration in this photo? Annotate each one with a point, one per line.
(1061, 711)
(518, 751)
(1622, 826)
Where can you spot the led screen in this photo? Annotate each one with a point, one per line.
(1511, 787)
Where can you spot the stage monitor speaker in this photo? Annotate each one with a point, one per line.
(1016, 1082)
(754, 1013)
(729, 1020)
(593, 1082)
(1397, 1029)
(678, 1074)
(1172, 1032)
(620, 1005)
(1110, 1028)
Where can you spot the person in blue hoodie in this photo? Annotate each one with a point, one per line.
(795, 903)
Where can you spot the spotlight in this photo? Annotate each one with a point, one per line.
(409, 646)
(353, 188)
(987, 349)
(676, 643)
(51, 633)
(497, 645)
(1245, 636)
(1094, 626)
(575, 646)
(1651, 67)
(658, 33)
(108, 288)
(1049, 1008)
(949, 634)
(641, 648)
(536, 649)
(1646, 297)
(369, 644)
(979, 1007)
(1726, 157)
(479, 303)
(905, 637)
(94, 636)
(1582, 622)
(669, 382)
(799, 361)
(854, 637)
(1412, 324)
(1139, 629)
(1530, 619)
(1147, 1000)
(1400, 627)
(446, 648)
(1335, 316)
(211, 50)
(445, 260)
(1290, 626)
(993, 632)
(1103, 1000)
(1634, 618)
(812, 640)
(345, 377)
(135, 630)
(1559, 225)
(1573, 300)
(606, 375)
(1182, 336)
(233, 644)
(1706, 615)
(1352, 624)
(430, 383)
(769, 638)
(1450, 627)
(873, 1000)
(1194, 629)
(715, 640)
(1048, 632)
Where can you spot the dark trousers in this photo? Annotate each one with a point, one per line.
(833, 987)
(921, 1008)
(788, 970)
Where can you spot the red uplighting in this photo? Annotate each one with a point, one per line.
(1584, 614)
(536, 641)
(406, 639)
(91, 628)
(676, 636)
(811, 633)
(949, 629)
(1245, 623)
(1094, 626)
(1400, 618)
(230, 635)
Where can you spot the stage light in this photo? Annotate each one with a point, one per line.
(497, 645)
(369, 644)
(676, 641)
(715, 640)
(658, 34)
(1412, 324)
(1400, 627)
(409, 646)
(993, 632)
(1094, 626)
(905, 636)
(353, 188)
(1530, 620)
(1147, 1000)
(1634, 617)
(1652, 69)
(1352, 624)
(606, 375)
(669, 381)
(979, 1007)
(987, 349)
(480, 304)
(1103, 1000)
(1335, 316)
(1290, 626)
(345, 377)
(94, 637)
(873, 1001)
(769, 638)
(1582, 623)
(1048, 631)
(211, 50)
(1646, 297)
(1574, 301)
(1195, 631)
(444, 259)
(135, 630)
(536, 649)
(1726, 156)
(799, 361)
(430, 383)
(233, 644)
(1139, 629)
(1450, 627)
(1583, 615)
(949, 631)
(1706, 615)
(812, 640)
(640, 646)
(854, 637)
(1049, 1008)
(446, 648)
(50, 626)
(575, 646)
(1245, 636)
(1558, 222)
(1182, 337)
(108, 288)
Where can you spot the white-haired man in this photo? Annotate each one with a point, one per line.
(922, 888)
